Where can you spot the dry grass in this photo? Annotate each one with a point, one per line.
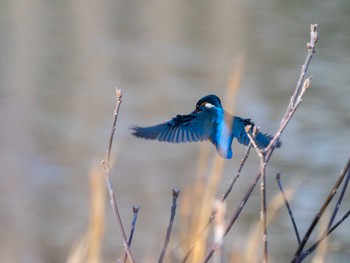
(254, 238)
(197, 201)
(88, 248)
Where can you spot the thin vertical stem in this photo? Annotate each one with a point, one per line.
(135, 210)
(234, 179)
(262, 156)
(108, 168)
(176, 194)
(293, 105)
(263, 208)
(278, 179)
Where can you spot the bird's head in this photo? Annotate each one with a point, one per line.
(207, 102)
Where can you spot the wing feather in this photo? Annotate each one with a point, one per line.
(263, 139)
(194, 127)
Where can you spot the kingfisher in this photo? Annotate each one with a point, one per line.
(209, 121)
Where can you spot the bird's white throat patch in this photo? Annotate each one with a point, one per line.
(209, 105)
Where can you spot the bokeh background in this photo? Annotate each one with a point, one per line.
(60, 63)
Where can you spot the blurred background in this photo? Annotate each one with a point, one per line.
(60, 63)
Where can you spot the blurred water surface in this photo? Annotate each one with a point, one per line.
(61, 61)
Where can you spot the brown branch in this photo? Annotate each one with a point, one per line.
(296, 231)
(262, 157)
(300, 87)
(298, 256)
(234, 179)
(294, 103)
(106, 164)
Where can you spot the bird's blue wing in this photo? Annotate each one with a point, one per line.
(193, 127)
(263, 139)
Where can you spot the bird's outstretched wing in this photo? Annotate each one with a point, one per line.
(194, 127)
(263, 139)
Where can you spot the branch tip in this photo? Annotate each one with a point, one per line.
(176, 192)
(278, 176)
(313, 27)
(255, 130)
(247, 128)
(135, 209)
(119, 94)
(313, 38)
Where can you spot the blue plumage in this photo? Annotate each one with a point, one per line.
(208, 121)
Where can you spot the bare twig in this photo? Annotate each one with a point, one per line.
(263, 206)
(135, 210)
(176, 194)
(118, 94)
(278, 179)
(326, 234)
(331, 228)
(311, 46)
(293, 105)
(234, 179)
(300, 87)
(299, 255)
(340, 199)
(106, 164)
(262, 157)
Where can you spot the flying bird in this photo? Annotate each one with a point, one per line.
(209, 121)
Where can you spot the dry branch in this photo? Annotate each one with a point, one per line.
(295, 101)
(106, 164)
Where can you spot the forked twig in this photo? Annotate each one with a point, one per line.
(340, 199)
(295, 101)
(299, 254)
(326, 234)
(106, 164)
(330, 228)
(335, 211)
